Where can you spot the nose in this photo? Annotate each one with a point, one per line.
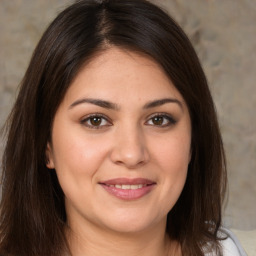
(130, 149)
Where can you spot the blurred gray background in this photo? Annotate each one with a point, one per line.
(224, 35)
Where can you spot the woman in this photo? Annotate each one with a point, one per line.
(113, 144)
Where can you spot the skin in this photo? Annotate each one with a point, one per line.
(124, 142)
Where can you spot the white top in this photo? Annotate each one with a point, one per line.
(231, 246)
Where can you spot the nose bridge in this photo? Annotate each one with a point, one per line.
(130, 146)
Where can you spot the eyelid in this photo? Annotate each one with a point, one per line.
(170, 120)
(99, 115)
(169, 117)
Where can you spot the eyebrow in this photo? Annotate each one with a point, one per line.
(113, 106)
(97, 102)
(156, 103)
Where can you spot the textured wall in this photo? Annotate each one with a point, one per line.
(224, 35)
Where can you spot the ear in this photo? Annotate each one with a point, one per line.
(49, 157)
(190, 154)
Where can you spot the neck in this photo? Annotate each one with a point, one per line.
(94, 241)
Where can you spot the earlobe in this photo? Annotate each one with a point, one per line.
(49, 157)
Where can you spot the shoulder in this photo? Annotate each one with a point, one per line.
(229, 248)
(231, 245)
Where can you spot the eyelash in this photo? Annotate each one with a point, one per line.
(89, 119)
(166, 118)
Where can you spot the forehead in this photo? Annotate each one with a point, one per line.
(116, 72)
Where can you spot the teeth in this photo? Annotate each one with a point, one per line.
(126, 186)
(137, 186)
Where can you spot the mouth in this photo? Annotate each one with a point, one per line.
(128, 189)
(125, 186)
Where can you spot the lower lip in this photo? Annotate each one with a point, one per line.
(128, 194)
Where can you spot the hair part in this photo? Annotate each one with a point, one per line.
(32, 217)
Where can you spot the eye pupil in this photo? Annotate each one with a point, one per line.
(95, 121)
(158, 120)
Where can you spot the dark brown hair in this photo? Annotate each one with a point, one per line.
(32, 217)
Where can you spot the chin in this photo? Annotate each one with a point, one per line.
(128, 228)
(128, 223)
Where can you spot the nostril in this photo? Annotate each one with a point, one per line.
(129, 149)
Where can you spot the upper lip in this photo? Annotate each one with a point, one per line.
(127, 181)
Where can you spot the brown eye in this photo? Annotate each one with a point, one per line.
(157, 120)
(161, 120)
(95, 121)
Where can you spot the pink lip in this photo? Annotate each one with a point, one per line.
(128, 194)
(126, 181)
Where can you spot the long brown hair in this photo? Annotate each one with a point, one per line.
(32, 217)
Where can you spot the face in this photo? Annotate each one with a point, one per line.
(121, 144)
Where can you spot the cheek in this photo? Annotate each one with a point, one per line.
(76, 155)
(173, 157)
(173, 154)
(77, 160)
